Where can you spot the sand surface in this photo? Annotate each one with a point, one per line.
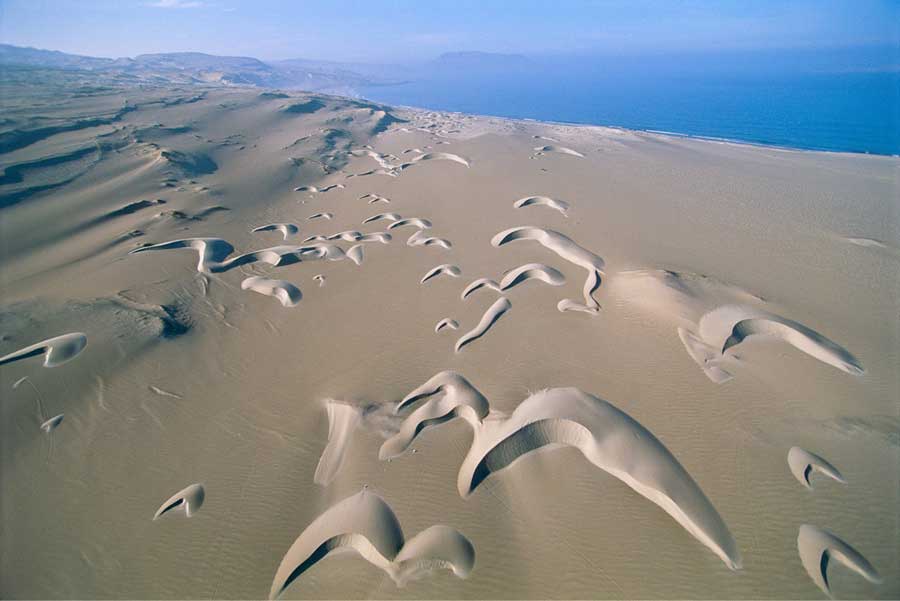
(696, 309)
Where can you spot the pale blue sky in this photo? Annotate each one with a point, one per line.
(371, 31)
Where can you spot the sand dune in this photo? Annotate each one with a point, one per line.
(420, 239)
(567, 249)
(532, 271)
(51, 424)
(803, 464)
(373, 198)
(286, 229)
(355, 253)
(346, 235)
(435, 156)
(189, 499)
(447, 395)
(56, 351)
(540, 150)
(320, 279)
(320, 216)
(728, 326)
(490, 317)
(608, 438)
(364, 523)
(379, 216)
(445, 269)
(478, 284)
(418, 222)
(381, 237)
(288, 294)
(446, 323)
(819, 547)
(543, 201)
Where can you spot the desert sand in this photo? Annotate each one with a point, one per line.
(245, 335)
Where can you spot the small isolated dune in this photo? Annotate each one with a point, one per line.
(532, 271)
(51, 424)
(382, 237)
(446, 323)
(380, 216)
(543, 201)
(56, 351)
(803, 464)
(435, 156)
(320, 216)
(567, 249)
(478, 284)
(611, 440)
(211, 252)
(490, 317)
(355, 253)
(540, 150)
(445, 269)
(818, 547)
(288, 294)
(343, 420)
(365, 523)
(420, 239)
(728, 326)
(188, 499)
(447, 395)
(286, 229)
(373, 198)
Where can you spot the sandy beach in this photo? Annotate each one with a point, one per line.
(497, 359)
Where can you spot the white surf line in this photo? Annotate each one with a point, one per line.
(607, 437)
(569, 250)
(803, 464)
(544, 201)
(817, 549)
(365, 523)
(56, 351)
(286, 229)
(445, 269)
(188, 499)
(494, 312)
(286, 293)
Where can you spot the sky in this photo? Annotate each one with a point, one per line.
(398, 31)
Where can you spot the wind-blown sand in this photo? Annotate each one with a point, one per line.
(674, 356)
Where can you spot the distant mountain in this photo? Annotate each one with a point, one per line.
(196, 67)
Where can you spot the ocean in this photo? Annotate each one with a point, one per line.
(846, 111)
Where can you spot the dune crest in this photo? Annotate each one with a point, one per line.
(803, 464)
(420, 239)
(532, 271)
(56, 351)
(478, 284)
(288, 294)
(190, 499)
(320, 216)
(542, 150)
(817, 547)
(366, 524)
(490, 317)
(543, 201)
(343, 420)
(379, 216)
(422, 224)
(51, 424)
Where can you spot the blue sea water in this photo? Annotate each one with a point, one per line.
(855, 111)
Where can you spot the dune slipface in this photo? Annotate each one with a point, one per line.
(539, 150)
(532, 271)
(343, 420)
(52, 423)
(364, 523)
(288, 294)
(567, 249)
(189, 499)
(478, 284)
(803, 464)
(819, 547)
(446, 323)
(56, 351)
(379, 216)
